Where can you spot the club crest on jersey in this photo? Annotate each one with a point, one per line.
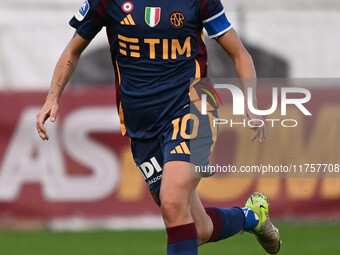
(152, 16)
(177, 19)
(127, 7)
(83, 10)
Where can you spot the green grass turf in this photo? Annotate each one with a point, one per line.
(307, 239)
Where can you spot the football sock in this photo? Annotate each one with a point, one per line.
(182, 240)
(226, 221)
(252, 220)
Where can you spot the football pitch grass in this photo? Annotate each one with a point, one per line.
(299, 239)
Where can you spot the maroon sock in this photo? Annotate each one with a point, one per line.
(217, 223)
(227, 222)
(182, 233)
(182, 240)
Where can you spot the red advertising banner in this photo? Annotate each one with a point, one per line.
(86, 169)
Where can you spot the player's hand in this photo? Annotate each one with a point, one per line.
(260, 132)
(49, 110)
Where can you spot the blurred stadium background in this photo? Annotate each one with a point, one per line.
(84, 179)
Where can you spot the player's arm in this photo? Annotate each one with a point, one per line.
(245, 70)
(62, 74)
(231, 43)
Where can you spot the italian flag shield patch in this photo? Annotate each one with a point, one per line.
(152, 16)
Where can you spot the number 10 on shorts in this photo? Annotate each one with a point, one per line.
(180, 125)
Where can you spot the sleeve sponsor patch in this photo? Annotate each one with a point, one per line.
(83, 10)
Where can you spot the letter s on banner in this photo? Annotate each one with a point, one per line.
(104, 164)
(19, 166)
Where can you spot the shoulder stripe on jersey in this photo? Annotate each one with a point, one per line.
(198, 70)
(214, 17)
(120, 108)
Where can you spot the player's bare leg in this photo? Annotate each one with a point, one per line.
(182, 210)
(202, 220)
(176, 194)
(188, 223)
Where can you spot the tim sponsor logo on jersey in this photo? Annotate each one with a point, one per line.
(171, 48)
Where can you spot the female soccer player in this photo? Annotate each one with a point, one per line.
(156, 48)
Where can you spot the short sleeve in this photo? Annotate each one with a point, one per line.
(214, 18)
(90, 18)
